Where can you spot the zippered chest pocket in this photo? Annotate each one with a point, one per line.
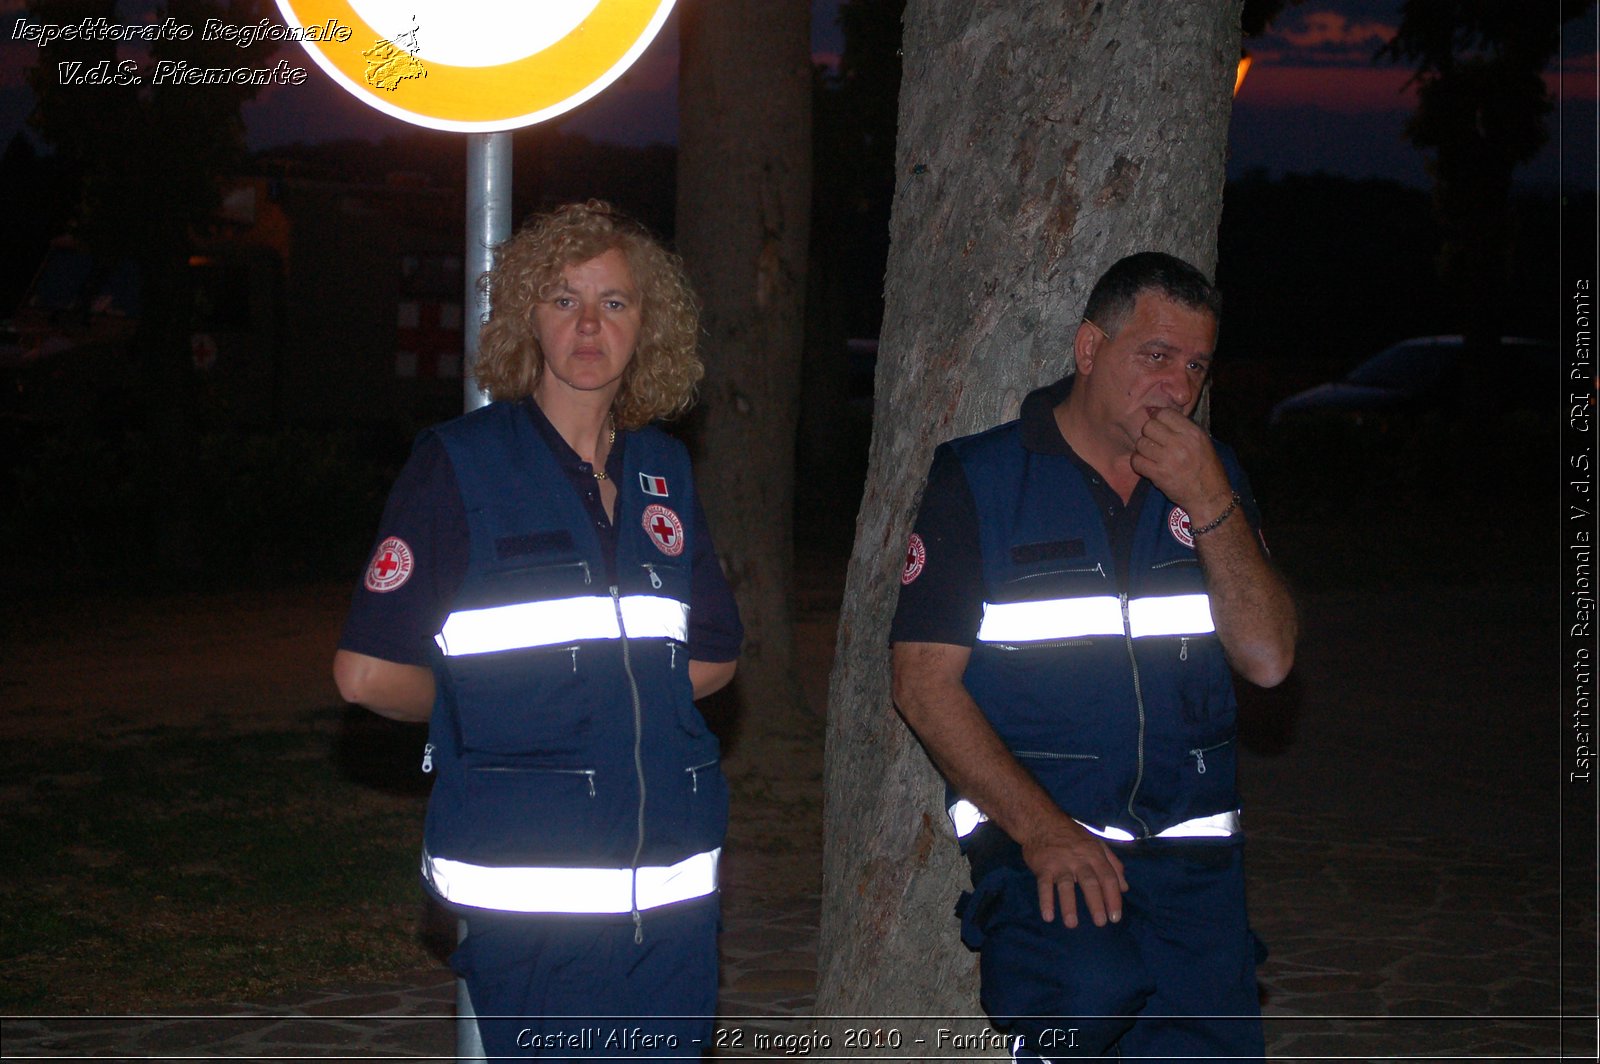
(540, 700)
(665, 577)
(1054, 579)
(529, 579)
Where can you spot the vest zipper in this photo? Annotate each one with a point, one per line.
(570, 650)
(655, 580)
(1043, 644)
(694, 776)
(427, 759)
(1183, 649)
(1138, 700)
(1095, 568)
(638, 761)
(588, 576)
(1199, 754)
(587, 773)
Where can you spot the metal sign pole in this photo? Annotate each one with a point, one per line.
(488, 226)
(469, 1040)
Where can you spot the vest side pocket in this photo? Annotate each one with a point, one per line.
(1207, 769)
(1205, 682)
(522, 811)
(690, 809)
(1073, 780)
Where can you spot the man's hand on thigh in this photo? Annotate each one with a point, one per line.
(1065, 855)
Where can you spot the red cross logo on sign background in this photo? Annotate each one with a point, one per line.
(665, 530)
(391, 565)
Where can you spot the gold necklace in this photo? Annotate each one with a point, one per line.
(600, 470)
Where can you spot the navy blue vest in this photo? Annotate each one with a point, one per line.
(1112, 689)
(565, 733)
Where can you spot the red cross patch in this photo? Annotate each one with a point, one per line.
(664, 529)
(391, 565)
(1178, 525)
(916, 558)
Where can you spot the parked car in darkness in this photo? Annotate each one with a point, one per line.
(1423, 374)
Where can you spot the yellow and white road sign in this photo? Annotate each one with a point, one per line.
(475, 66)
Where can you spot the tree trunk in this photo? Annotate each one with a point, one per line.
(744, 189)
(1038, 143)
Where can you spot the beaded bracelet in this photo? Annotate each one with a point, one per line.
(1214, 525)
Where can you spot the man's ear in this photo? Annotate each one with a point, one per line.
(1085, 345)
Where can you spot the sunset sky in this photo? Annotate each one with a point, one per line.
(1314, 99)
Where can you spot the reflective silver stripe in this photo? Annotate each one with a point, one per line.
(965, 818)
(1022, 622)
(555, 622)
(655, 617)
(1017, 1046)
(1171, 615)
(571, 890)
(1215, 826)
(1070, 618)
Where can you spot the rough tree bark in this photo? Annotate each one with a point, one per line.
(744, 190)
(1038, 143)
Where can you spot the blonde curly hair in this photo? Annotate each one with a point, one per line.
(660, 379)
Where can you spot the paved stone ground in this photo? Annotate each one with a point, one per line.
(1405, 869)
(1405, 835)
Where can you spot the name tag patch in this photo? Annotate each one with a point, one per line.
(1028, 553)
(532, 543)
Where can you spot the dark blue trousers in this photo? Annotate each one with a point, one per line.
(1175, 978)
(579, 987)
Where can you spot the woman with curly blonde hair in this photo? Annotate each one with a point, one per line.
(660, 379)
(544, 592)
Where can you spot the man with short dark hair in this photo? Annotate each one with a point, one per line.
(1079, 587)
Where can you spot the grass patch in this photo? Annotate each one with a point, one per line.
(183, 866)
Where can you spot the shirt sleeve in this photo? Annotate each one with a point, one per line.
(941, 580)
(416, 566)
(715, 632)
